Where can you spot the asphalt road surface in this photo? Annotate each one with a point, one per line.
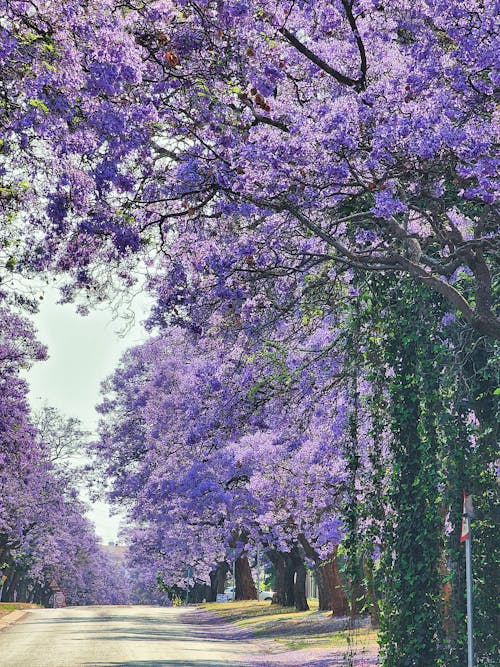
(129, 636)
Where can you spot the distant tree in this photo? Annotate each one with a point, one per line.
(64, 436)
(45, 538)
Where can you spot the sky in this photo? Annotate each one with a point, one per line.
(82, 351)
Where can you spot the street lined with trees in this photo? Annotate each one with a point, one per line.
(310, 192)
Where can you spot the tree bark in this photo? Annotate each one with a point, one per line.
(11, 593)
(22, 591)
(331, 593)
(299, 589)
(200, 592)
(6, 586)
(45, 596)
(37, 595)
(245, 587)
(218, 580)
(335, 598)
(324, 603)
(278, 561)
(289, 581)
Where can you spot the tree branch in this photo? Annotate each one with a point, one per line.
(359, 42)
(269, 121)
(357, 84)
(483, 321)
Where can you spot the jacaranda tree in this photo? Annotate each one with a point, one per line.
(281, 165)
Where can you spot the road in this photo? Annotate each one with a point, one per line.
(129, 636)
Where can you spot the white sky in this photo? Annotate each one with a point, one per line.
(83, 351)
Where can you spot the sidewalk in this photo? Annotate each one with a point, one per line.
(14, 616)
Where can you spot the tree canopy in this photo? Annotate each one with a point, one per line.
(311, 189)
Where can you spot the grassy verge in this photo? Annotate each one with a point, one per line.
(8, 607)
(359, 640)
(250, 611)
(296, 630)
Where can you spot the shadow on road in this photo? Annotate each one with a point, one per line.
(171, 663)
(330, 661)
(78, 619)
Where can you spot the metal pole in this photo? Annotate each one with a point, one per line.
(234, 579)
(188, 574)
(258, 569)
(468, 575)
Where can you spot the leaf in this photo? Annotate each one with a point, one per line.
(39, 104)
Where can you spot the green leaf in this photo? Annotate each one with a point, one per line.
(39, 104)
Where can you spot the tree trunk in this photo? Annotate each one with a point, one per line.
(245, 587)
(289, 581)
(324, 603)
(480, 364)
(218, 580)
(372, 595)
(4, 549)
(276, 558)
(334, 597)
(299, 589)
(31, 594)
(11, 593)
(22, 591)
(213, 587)
(45, 597)
(331, 594)
(37, 595)
(200, 592)
(446, 592)
(412, 542)
(6, 585)
(358, 593)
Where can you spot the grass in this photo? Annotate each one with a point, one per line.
(8, 607)
(360, 639)
(294, 629)
(249, 612)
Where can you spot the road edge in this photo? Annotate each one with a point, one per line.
(14, 617)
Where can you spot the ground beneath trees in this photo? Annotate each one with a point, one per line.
(290, 638)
